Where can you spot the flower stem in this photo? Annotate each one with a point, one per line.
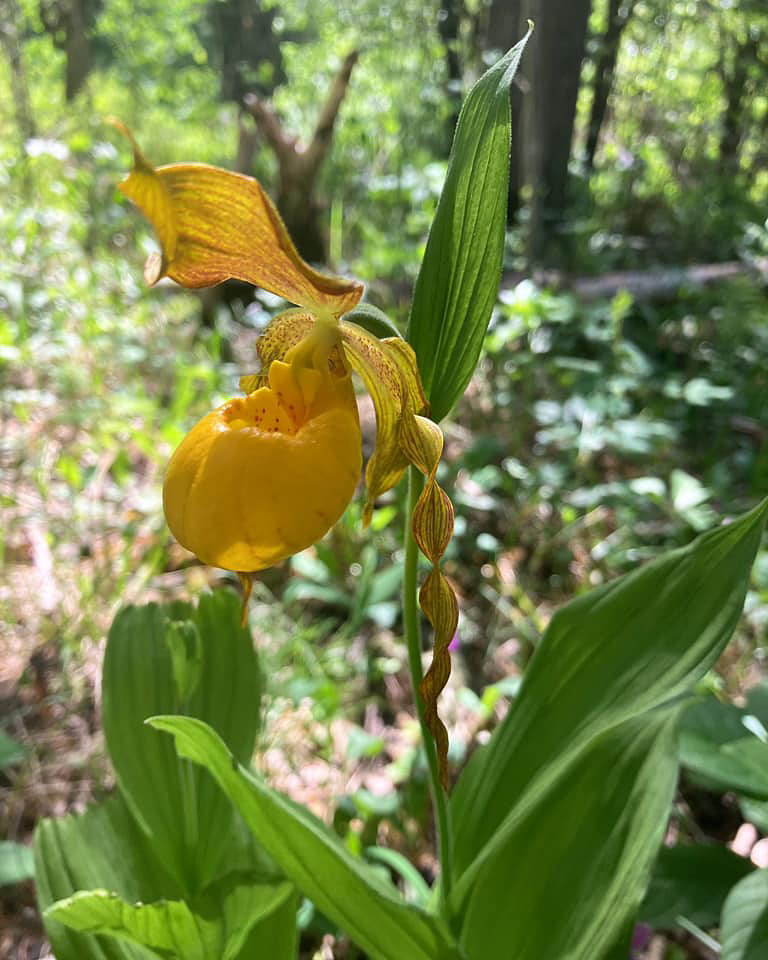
(413, 639)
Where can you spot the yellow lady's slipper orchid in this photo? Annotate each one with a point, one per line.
(267, 474)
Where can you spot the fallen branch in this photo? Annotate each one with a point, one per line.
(644, 285)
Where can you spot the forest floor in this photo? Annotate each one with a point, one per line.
(83, 534)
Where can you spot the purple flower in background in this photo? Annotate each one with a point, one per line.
(640, 940)
(454, 645)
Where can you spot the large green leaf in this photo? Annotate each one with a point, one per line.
(137, 845)
(566, 872)
(692, 882)
(105, 848)
(187, 817)
(459, 277)
(275, 936)
(757, 703)
(719, 748)
(349, 892)
(101, 848)
(608, 656)
(172, 929)
(744, 928)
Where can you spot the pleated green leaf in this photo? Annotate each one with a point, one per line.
(101, 848)
(173, 930)
(189, 820)
(459, 278)
(609, 656)
(744, 927)
(567, 871)
(347, 891)
(137, 845)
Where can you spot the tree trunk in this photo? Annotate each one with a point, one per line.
(299, 165)
(619, 12)
(555, 56)
(247, 144)
(449, 25)
(244, 48)
(68, 23)
(10, 26)
(504, 26)
(735, 77)
(77, 48)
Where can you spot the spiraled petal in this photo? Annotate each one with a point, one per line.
(422, 441)
(381, 365)
(390, 372)
(438, 601)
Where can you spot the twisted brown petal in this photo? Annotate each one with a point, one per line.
(390, 371)
(422, 442)
(378, 364)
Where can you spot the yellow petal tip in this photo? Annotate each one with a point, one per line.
(139, 160)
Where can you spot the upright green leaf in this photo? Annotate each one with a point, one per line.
(347, 891)
(744, 927)
(187, 817)
(608, 656)
(459, 277)
(565, 874)
(185, 647)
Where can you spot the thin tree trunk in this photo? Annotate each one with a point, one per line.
(247, 142)
(10, 29)
(300, 165)
(78, 49)
(449, 26)
(556, 54)
(735, 77)
(619, 12)
(504, 26)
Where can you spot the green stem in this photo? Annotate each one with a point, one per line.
(413, 639)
